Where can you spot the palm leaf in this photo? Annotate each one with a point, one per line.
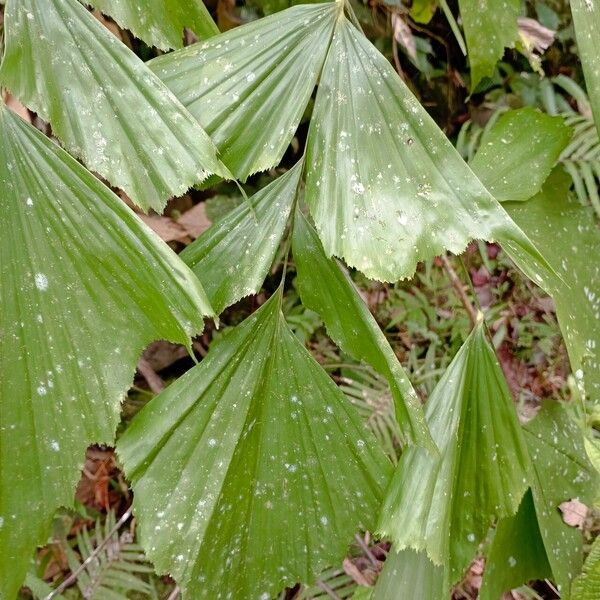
(85, 287)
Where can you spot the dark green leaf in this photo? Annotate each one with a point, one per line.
(490, 27)
(232, 257)
(445, 506)
(327, 289)
(160, 23)
(85, 287)
(103, 103)
(252, 471)
(387, 189)
(537, 540)
(249, 87)
(518, 153)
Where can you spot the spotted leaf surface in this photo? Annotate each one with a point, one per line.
(327, 289)
(160, 23)
(250, 86)
(252, 471)
(586, 19)
(103, 103)
(384, 185)
(233, 257)
(446, 505)
(518, 153)
(85, 287)
(490, 27)
(536, 543)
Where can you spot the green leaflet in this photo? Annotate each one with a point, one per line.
(85, 286)
(249, 87)
(587, 585)
(233, 257)
(518, 153)
(160, 23)
(445, 506)
(536, 542)
(586, 19)
(252, 471)
(568, 236)
(388, 190)
(103, 103)
(409, 574)
(563, 230)
(326, 289)
(490, 26)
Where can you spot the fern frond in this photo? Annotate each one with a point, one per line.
(117, 564)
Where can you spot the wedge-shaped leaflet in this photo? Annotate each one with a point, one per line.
(518, 153)
(103, 103)
(409, 574)
(250, 86)
(85, 286)
(586, 19)
(160, 23)
(233, 257)
(587, 585)
(490, 27)
(384, 185)
(248, 463)
(327, 289)
(445, 506)
(536, 543)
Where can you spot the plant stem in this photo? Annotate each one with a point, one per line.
(460, 290)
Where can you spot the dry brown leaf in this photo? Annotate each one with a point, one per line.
(17, 107)
(167, 229)
(357, 575)
(195, 221)
(574, 512)
(403, 35)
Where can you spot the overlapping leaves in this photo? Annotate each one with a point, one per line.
(160, 23)
(103, 103)
(445, 506)
(85, 286)
(252, 471)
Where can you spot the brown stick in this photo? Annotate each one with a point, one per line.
(459, 289)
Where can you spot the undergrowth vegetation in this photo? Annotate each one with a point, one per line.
(299, 301)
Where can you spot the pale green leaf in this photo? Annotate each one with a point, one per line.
(586, 19)
(103, 103)
(384, 185)
(445, 506)
(160, 23)
(410, 574)
(537, 540)
(325, 288)
(85, 287)
(249, 87)
(518, 153)
(233, 257)
(252, 471)
(568, 236)
(490, 27)
(587, 585)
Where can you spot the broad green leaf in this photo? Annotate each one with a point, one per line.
(409, 574)
(445, 506)
(233, 257)
(586, 19)
(327, 289)
(563, 231)
(587, 585)
(252, 471)
(249, 87)
(103, 103)
(160, 23)
(85, 287)
(537, 540)
(568, 236)
(384, 185)
(490, 27)
(518, 153)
